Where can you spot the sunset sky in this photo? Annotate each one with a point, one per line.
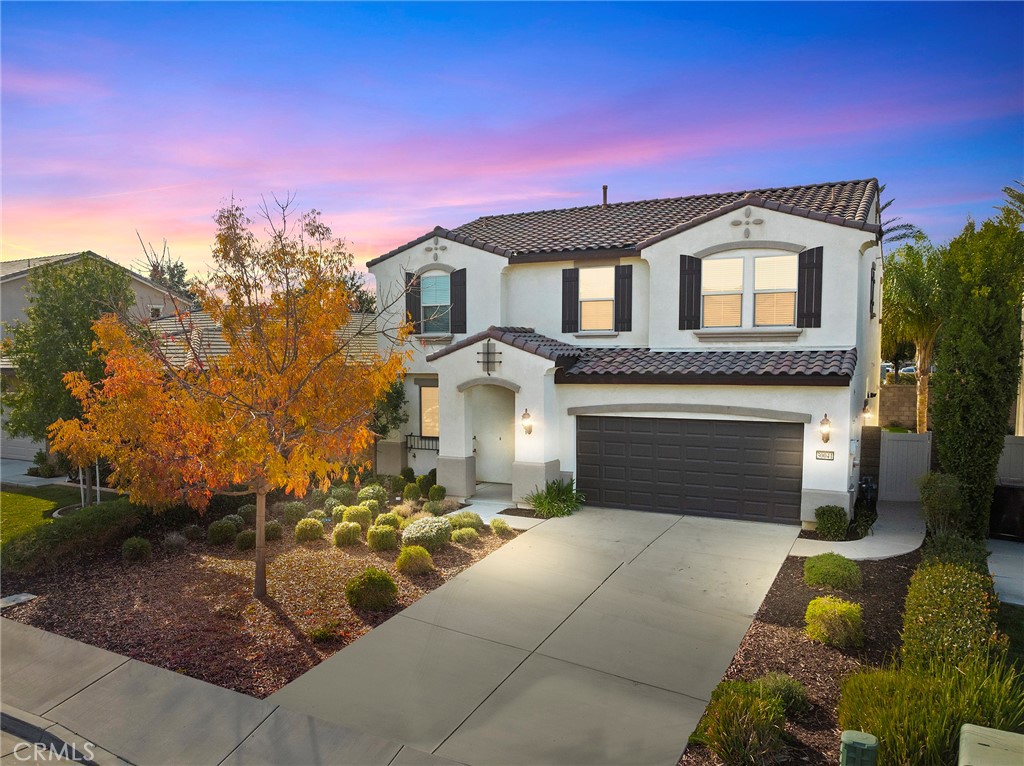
(394, 118)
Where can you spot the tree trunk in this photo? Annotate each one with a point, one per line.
(260, 585)
(922, 401)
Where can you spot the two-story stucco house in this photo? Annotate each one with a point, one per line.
(714, 354)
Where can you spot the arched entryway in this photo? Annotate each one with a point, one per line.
(494, 443)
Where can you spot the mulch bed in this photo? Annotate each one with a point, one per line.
(194, 612)
(775, 643)
(526, 513)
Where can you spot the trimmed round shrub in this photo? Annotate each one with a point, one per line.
(246, 540)
(317, 514)
(174, 542)
(414, 560)
(308, 530)
(344, 494)
(294, 512)
(433, 507)
(464, 519)
(832, 522)
(501, 528)
(235, 519)
(347, 533)
(785, 688)
(432, 533)
(374, 507)
(409, 475)
(373, 492)
(382, 538)
(360, 514)
(136, 550)
(372, 590)
(742, 727)
(834, 622)
(273, 530)
(330, 504)
(247, 513)
(951, 548)
(278, 508)
(411, 493)
(193, 532)
(437, 492)
(425, 482)
(832, 570)
(388, 520)
(221, 532)
(415, 517)
(465, 536)
(941, 502)
(316, 498)
(397, 484)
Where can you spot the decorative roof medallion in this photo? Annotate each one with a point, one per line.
(746, 222)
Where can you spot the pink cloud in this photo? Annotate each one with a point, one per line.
(50, 87)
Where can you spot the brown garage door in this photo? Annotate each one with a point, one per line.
(728, 469)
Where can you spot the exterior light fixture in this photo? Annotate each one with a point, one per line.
(825, 427)
(527, 422)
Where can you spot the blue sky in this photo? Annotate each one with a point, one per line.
(392, 118)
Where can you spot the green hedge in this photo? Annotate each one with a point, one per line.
(832, 522)
(832, 570)
(834, 622)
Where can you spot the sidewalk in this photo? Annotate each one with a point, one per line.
(62, 692)
(13, 472)
(899, 529)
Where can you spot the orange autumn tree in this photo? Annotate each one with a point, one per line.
(287, 404)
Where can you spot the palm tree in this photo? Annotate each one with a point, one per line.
(892, 230)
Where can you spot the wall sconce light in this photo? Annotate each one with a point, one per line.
(527, 422)
(825, 427)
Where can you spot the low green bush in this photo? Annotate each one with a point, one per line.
(360, 514)
(425, 482)
(408, 474)
(273, 530)
(941, 502)
(396, 484)
(373, 492)
(834, 622)
(235, 519)
(308, 530)
(742, 727)
(415, 517)
(347, 533)
(221, 532)
(374, 507)
(344, 494)
(316, 498)
(411, 493)
(949, 616)
(193, 532)
(414, 560)
(917, 715)
(431, 533)
(174, 542)
(317, 513)
(372, 590)
(558, 498)
(136, 550)
(433, 507)
(294, 512)
(382, 538)
(330, 504)
(832, 570)
(465, 536)
(464, 519)
(247, 513)
(832, 522)
(325, 633)
(388, 520)
(501, 528)
(785, 688)
(952, 548)
(246, 540)
(437, 492)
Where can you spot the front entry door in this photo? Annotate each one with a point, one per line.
(494, 442)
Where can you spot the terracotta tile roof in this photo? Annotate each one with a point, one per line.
(361, 331)
(583, 364)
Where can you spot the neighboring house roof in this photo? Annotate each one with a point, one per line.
(590, 364)
(635, 225)
(361, 332)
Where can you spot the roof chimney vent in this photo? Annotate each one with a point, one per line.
(604, 195)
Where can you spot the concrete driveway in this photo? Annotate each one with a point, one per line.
(594, 639)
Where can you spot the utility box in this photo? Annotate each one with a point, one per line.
(980, 746)
(858, 748)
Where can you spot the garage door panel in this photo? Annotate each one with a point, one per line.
(728, 469)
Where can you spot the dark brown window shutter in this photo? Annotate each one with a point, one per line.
(808, 288)
(570, 300)
(412, 301)
(623, 298)
(458, 286)
(872, 306)
(689, 292)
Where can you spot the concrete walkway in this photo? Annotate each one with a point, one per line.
(13, 472)
(899, 529)
(489, 500)
(1007, 567)
(594, 639)
(65, 694)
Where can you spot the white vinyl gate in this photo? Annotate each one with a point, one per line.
(904, 459)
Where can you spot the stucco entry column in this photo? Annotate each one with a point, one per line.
(456, 465)
(536, 461)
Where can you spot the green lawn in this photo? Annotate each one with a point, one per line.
(1011, 622)
(22, 508)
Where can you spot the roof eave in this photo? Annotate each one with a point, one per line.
(451, 236)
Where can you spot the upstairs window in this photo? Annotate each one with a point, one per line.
(435, 302)
(597, 298)
(722, 292)
(775, 291)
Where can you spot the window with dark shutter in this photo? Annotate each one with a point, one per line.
(570, 300)
(458, 282)
(412, 301)
(623, 298)
(872, 303)
(808, 291)
(689, 292)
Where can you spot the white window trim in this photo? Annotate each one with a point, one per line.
(747, 330)
(611, 298)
